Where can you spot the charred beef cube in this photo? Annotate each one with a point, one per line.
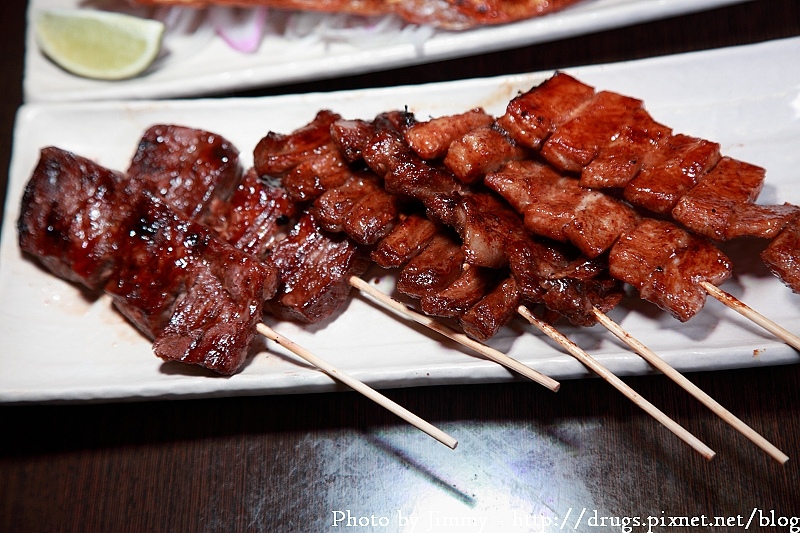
(315, 268)
(197, 297)
(213, 324)
(185, 166)
(70, 211)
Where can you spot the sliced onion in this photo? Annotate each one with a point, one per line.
(241, 28)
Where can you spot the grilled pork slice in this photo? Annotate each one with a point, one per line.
(405, 173)
(559, 208)
(315, 268)
(432, 139)
(532, 117)
(197, 297)
(666, 263)
(187, 167)
(278, 153)
(782, 256)
(460, 295)
(484, 149)
(672, 170)
(622, 159)
(707, 209)
(404, 241)
(307, 161)
(70, 213)
(438, 265)
(486, 226)
(576, 142)
(497, 307)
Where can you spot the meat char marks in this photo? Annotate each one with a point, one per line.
(197, 298)
(261, 218)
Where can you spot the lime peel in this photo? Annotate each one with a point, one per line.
(98, 44)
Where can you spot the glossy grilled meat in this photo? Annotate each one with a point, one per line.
(612, 142)
(491, 234)
(532, 117)
(479, 151)
(197, 297)
(410, 236)
(306, 161)
(576, 142)
(314, 267)
(70, 212)
(782, 256)
(186, 166)
(446, 14)
(432, 139)
(666, 263)
(671, 170)
(254, 218)
(89, 225)
(558, 207)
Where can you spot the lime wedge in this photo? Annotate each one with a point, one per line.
(98, 44)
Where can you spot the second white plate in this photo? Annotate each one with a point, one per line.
(215, 67)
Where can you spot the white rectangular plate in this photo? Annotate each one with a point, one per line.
(59, 346)
(215, 67)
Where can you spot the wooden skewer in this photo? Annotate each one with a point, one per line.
(488, 352)
(649, 356)
(617, 383)
(743, 309)
(358, 386)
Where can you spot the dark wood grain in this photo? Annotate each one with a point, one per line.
(290, 463)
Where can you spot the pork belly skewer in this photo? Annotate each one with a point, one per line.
(309, 165)
(464, 165)
(405, 173)
(541, 219)
(613, 143)
(198, 298)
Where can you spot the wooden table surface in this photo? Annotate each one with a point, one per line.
(300, 462)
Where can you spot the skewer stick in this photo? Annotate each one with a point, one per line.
(358, 386)
(746, 311)
(488, 352)
(661, 365)
(617, 383)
